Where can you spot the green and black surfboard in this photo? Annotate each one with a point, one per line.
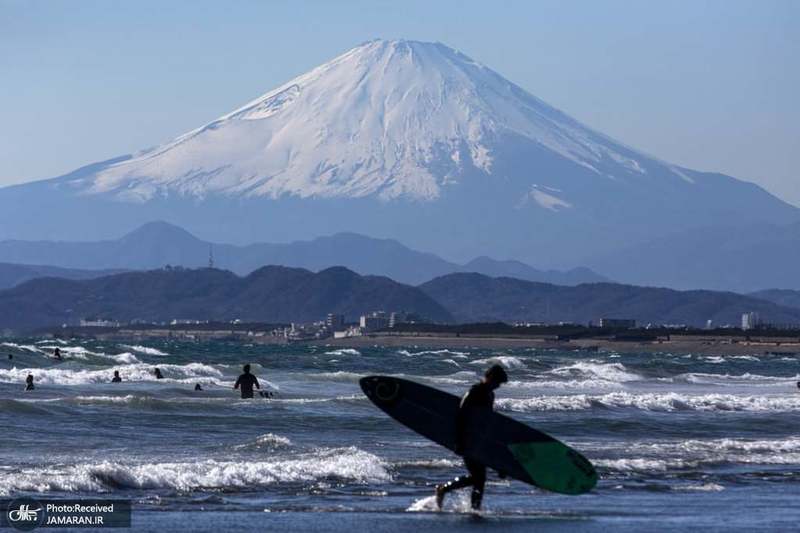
(499, 442)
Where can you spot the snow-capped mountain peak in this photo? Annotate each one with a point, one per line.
(392, 119)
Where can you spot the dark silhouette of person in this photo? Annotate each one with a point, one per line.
(29, 382)
(479, 396)
(247, 381)
(10, 356)
(57, 354)
(198, 387)
(158, 373)
(116, 378)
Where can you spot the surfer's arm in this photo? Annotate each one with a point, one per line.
(255, 382)
(236, 385)
(461, 424)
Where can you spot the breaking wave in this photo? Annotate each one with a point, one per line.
(191, 372)
(146, 350)
(652, 402)
(346, 464)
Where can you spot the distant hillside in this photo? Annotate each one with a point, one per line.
(157, 244)
(12, 275)
(784, 297)
(516, 269)
(743, 259)
(474, 298)
(270, 294)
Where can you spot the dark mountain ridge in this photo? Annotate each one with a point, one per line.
(479, 298)
(270, 294)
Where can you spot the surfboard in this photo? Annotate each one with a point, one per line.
(497, 441)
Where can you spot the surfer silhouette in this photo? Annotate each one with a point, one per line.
(480, 395)
(198, 387)
(158, 373)
(116, 378)
(29, 382)
(246, 382)
(57, 354)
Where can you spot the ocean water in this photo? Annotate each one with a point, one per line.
(680, 441)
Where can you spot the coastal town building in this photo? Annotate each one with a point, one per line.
(617, 323)
(750, 321)
(99, 323)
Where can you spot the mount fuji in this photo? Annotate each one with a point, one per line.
(396, 139)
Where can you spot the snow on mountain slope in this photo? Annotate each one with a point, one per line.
(388, 118)
(402, 140)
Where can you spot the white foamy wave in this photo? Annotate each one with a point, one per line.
(268, 440)
(339, 375)
(451, 353)
(344, 351)
(661, 456)
(192, 372)
(639, 464)
(459, 378)
(348, 464)
(146, 350)
(25, 347)
(429, 463)
(456, 502)
(354, 397)
(705, 487)
(611, 372)
(653, 402)
(736, 380)
(126, 399)
(508, 361)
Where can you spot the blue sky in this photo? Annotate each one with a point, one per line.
(712, 85)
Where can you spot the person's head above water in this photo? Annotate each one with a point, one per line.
(116, 373)
(495, 376)
(246, 369)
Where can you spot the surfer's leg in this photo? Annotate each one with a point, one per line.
(477, 472)
(458, 483)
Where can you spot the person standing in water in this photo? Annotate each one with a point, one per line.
(57, 354)
(479, 396)
(116, 378)
(246, 382)
(158, 373)
(29, 382)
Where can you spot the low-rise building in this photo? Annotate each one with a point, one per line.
(626, 323)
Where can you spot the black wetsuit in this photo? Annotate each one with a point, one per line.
(247, 381)
(479, 396)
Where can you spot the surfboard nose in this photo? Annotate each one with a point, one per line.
(383, 390)
(368, 384)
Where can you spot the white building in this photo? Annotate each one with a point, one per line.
(750, 320)
(98, 323)
(375, 321)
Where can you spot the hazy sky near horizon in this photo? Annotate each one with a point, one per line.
(711, 85)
